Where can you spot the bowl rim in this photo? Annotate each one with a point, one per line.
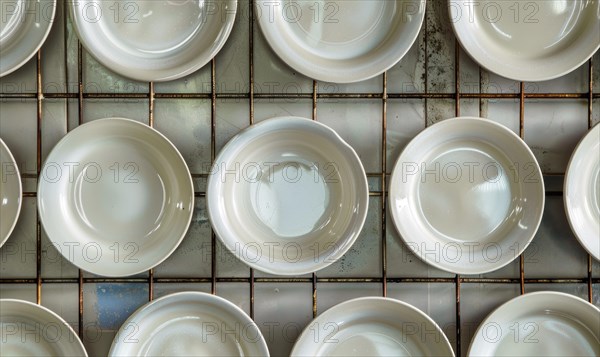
(39, 45)
(528, 296)
(11, 157)
(196, 296)
(168, 143)
(150, 75)
(474, 51)
(49, 313)
(457, 121)
(577, 230)
(291, 58)
(376, 301)
(219, 224)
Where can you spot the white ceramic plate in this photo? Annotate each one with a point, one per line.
(528, 40)
(467, 195)
(24, 26)
(189, 324)
(158, 40)
(115, 197)
(33, 330)
(341, 41)
(11, 192)
(287, 196)
(373, 326)
(582, 192)
(543, 323)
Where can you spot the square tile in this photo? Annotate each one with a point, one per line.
(136, 109)
(552, 129)
(187, 124)
(25, 292)
(477, 301)
(164, 289)
(331, 294)
(192, 258)
(18, 255)
(555, 252)
(364, 257)
(353, 121)
(106, 306)
(18, 130)
(405, 119)
(237, 293)
(437, 300)
(282, 311)
(63, 299)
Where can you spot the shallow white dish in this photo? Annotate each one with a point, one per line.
(33, 330)
(544, 323)
(115, 197)
(372, 326)
(467, 195)
(341, 41)
(11, 192)
(189, 324)
(157, 40)
(287, 196)
(528, 40)
(24, 26)
(582, 192)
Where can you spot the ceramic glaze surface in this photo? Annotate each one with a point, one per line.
(24, 26)
(153, 40)
(296, 188)
(542, 323)
(467, 195)
(10, 193)
(116, 197)
(33, 330)
(287, 196)
(341, 41)
(372, 327)
(528, 40)
(189, 324)
(582, 192)
(482, 191)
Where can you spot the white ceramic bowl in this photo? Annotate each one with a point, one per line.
(158, 40)
(189, 324)
(33, 330)
(287, 196)
(544, 323)
(341, 41)
(582, 192)
(528, 40)
(24, 26)
(467, 195)
(372, 326)
(11, 192)
(115, 197)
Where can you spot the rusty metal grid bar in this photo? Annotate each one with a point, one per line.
(315, 96)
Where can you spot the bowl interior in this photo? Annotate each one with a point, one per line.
(372, 326)
(289, 192)
(154, 40)
(115, 197)
(32, 330)
(24, 26)
(467, 195)
(341, 41)
(582, 192)
(542, 323)
(189, 323)
(560, 35)
(10, 193)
